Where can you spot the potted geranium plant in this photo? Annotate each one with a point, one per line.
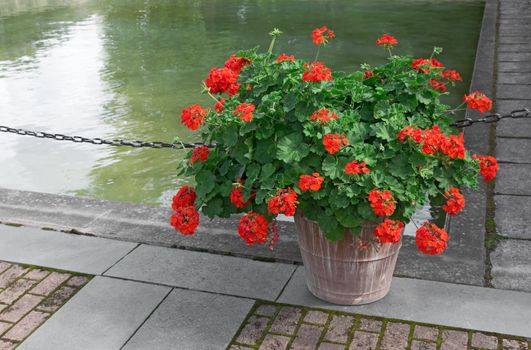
(350, 155)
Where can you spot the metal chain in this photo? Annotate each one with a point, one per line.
(461, 123)
(100, 141)
(492, 118)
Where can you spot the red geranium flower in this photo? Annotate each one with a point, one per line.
(434, 140)
(199, 153)
(451, 75)
(285, 201)
(488, 167)
(382, 202)
(431, 239)
(333, 142)
(454, 146)
(284, 57)
(386, 40)
(437, 85)
(478, 101)
(253, 228)
(236, 196)
(185, 220)
(236, 64)
(218, 106)
(389, 231)
(409, 131)
(185, 197)
(455, 201)
(322, 35)
(356, 168)
(323, 115)
(316, 71)
(244, 111)
(222, 80)
(423, 65)
(192, 116)
(310, 182)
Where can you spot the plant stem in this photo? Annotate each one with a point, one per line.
(272, 44)
(317, 54)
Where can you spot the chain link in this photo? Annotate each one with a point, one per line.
(100, 141)
(461, 123)
(493, 118)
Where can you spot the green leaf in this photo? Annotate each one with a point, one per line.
(205, 183)
(348, 217)
(230, 135)
(213, 208)
(267, 171)
(289, 101)
(331, 168)
(265, 151)
(383, 131)
(252, 171)
(291, 148)
(330, 227)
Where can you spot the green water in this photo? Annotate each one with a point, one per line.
(124, 69)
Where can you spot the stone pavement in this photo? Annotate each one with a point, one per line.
(149, 297)
(29, 296)
(510, 259)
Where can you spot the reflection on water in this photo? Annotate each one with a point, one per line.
(122, 69)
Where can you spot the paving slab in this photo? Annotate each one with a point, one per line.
(513, 179)
(453, 305)
(514, 67)
(102, 315)
(517, 39)
(511, 266)
(190, 320)
(60, 250)
(513, 92)
(512, 216)
(514, 150)
(204, 271)
(513, 78)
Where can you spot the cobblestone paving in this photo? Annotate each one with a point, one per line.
(282, 327)
(28, 296)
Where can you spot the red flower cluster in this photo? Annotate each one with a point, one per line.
(382, 202)
(387, 40)
(199, 153)
(186, 218)
(316, 71)
(455, 201)
(333, 142)
(284, 57)
(488, 167)
(434, 140)
(185, 197)
(431, 239)
(222, 80)
(451, 75)
(478, 101)
(322, 35)
(218, 106)
(236, 196)
(323, 115)
(285, 201)
(310, 182)
(192, 116)
(437, 85)
(389, 231)
(356, 168)
(245, 111)
(253, 228)
(369, 74)
(424, 65)
(236, 64)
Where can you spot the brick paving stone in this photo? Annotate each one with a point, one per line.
(11, 274)
(266, 310)
(14, 291)
(307, 337)
(368, 324)
(454, 340)
(423, 332)
(4, 266)
(22, 306)
(50, 283)
(423, 345)
(77, 281)
(316, 317)
(396, 336)
(511, 344)
(27, 325)
(4, 326)
(480, 340)
(286, 320)
(364, 341)
(2, 307)
(239, 347)
(37, 274)
(274, 342)
(253, 330)
(339, 328)
(54, 301)
(6, 345)
(331, 346)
